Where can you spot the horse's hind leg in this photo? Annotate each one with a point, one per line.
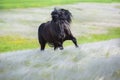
(61, 46)
(58, 45)
(42, 42)
(43, 46)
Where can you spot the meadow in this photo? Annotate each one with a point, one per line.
(12, 43)
(9, 4)
(19, 26)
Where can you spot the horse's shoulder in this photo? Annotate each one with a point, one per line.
(44, 24)
(47, 22)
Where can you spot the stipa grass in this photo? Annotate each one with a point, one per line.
(88, 62)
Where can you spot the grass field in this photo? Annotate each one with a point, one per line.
(8, 4)
(18, 27)
(112, 33)
(12, 43)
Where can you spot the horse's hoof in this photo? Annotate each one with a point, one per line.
(77, 46)
(61, 48)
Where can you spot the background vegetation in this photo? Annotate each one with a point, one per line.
(11, 43)
(8, 4)
(16, 42)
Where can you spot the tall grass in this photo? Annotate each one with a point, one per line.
(8, 4)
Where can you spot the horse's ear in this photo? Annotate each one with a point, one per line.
(55, 9)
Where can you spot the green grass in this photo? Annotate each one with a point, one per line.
(112, 33)
(12, 43)
(8, 4)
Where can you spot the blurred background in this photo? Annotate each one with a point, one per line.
(93, 20)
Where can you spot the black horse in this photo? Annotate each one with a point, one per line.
(56, 31)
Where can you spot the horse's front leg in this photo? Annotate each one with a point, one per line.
(71, 37)
(74, 41)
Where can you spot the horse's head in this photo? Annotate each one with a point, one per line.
(61, 14)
